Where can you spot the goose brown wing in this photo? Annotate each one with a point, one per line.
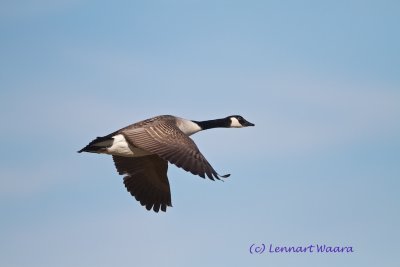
(146, 179)
(171, 144)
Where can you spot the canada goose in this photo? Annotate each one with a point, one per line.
(141, 151)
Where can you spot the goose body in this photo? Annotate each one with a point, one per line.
(141, 152)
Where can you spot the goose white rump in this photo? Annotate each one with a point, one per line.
(120, 147)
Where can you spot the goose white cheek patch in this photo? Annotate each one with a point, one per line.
(235, 123)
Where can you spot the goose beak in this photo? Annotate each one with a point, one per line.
(247, 123)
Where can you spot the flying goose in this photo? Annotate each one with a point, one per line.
(141, 152)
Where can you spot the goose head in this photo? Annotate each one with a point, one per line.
(237, 121)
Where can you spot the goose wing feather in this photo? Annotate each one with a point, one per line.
(166, 140)
(146, 179)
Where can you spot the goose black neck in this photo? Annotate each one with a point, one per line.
(218, 123)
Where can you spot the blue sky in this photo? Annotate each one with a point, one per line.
(320, 79)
